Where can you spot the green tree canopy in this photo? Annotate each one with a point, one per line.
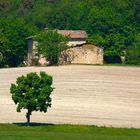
(50, 45)
(32, 92)
(13, 40)
(133, 52)
(112, 23)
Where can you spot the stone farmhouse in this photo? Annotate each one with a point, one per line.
(79, 52)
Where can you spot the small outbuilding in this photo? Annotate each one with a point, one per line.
(82, 54)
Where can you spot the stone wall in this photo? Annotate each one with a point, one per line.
(84, 54)
(30, 52)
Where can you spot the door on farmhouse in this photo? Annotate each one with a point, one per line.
(67, 59)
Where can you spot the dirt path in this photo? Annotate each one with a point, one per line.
(94, 95)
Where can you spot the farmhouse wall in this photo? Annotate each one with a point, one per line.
(30, 52)
(84, 54)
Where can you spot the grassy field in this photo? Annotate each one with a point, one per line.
(65, 132)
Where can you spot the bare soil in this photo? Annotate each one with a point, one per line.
(93, 95)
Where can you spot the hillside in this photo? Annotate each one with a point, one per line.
(114, 25)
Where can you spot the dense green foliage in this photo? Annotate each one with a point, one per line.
(32, 92)
(13, 40)
(66, 132)
(133, 53)
(112, 24)
(50, 45)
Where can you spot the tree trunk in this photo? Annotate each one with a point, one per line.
(28, 117)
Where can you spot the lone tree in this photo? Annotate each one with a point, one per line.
(32, 92)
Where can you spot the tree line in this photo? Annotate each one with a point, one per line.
(112, 24)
